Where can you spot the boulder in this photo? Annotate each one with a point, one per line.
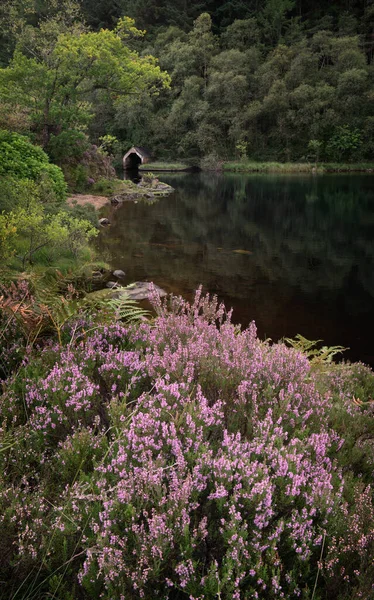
(119, 274)
(104, 222)
(145, 189)
(141, 290)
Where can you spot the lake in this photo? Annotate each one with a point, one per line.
(293, 253)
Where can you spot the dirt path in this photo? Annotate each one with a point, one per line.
(95, 201)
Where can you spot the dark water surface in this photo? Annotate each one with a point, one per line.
(294, 253)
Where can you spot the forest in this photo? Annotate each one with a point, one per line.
(199, 81)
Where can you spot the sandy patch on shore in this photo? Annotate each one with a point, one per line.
(95, 201)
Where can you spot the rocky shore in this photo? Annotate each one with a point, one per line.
(148, 189)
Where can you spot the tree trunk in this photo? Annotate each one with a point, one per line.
(45, 133)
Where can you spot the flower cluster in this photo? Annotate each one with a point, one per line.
(187, 502)
(185, 458)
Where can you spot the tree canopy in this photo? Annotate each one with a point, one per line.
(51, 81)
(264, 80)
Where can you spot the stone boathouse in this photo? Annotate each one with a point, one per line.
(136, 156)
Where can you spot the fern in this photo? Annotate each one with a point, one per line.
(127, 309)
(53, 305)
(314, 354)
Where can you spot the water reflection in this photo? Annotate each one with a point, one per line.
(132, 175)
(294, 253)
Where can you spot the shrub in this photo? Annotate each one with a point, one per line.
(56, 177)
(105, 187)
(344, 143)
(68, 146)
(84, 164)
(22, 160)
(28, 232)
(182, 458)
(211, 162)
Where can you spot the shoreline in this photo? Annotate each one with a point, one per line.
(126, 192)
(100, 201)
(263, 167)
(311, 168)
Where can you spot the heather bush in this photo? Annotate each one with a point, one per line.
(14, 344)
(206, 512)
(184, 458)
(350, 389)
(349, 564)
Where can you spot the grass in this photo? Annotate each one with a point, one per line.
(277, 167)
(163, 166)
(105, 187)
(346, 167)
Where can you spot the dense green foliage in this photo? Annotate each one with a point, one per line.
(19, 159)
(36, 225)
(53, 84)
(300, 95)
(275, 80)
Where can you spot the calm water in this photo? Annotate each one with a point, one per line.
(294, 253)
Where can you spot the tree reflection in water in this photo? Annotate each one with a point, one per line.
(294, 253)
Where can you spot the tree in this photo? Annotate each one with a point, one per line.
(241, 34)
(227, 93)
(34, 25)
(203, 44)
(56, 88)
(271, 75)
(26, 231)
(273, 18)
(344, 143)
